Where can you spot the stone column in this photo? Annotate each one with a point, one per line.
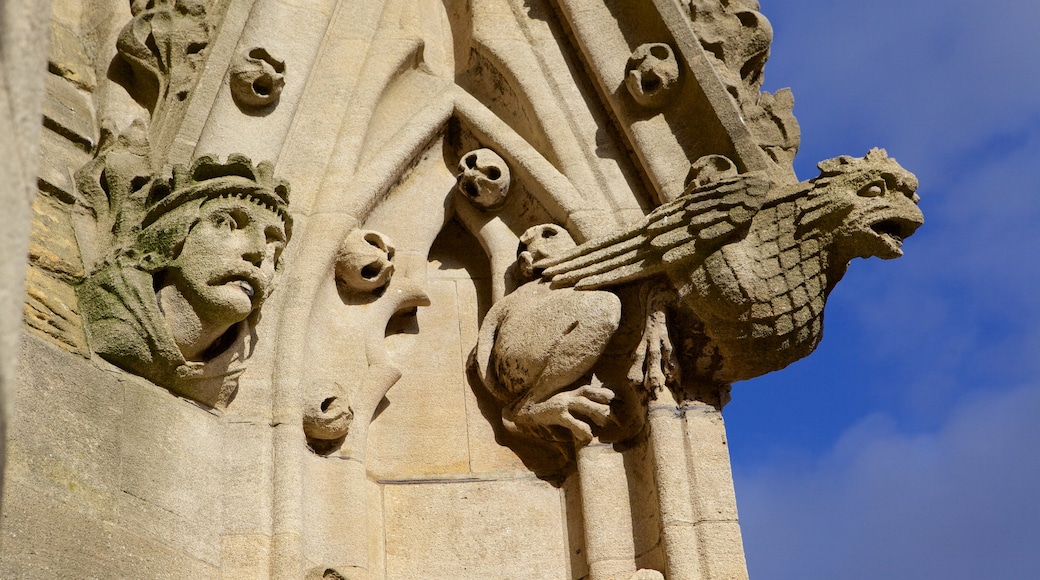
(698, 506)
(605, 504)
(24, 36)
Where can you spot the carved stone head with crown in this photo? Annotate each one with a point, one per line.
(178, 298)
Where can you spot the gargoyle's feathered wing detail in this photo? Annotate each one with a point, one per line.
(687, 229)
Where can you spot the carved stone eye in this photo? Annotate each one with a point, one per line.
(873, 189)
(484, 178)
(652, 74)
(365, 261)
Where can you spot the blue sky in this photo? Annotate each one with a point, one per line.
(907, 445)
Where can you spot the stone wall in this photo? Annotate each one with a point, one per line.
(409, 289)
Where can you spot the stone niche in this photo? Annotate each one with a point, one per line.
(411, 289)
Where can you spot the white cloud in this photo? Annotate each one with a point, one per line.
(959, 503)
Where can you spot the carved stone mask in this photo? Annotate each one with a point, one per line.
(366, 261)
(652, 74)
(484, 178)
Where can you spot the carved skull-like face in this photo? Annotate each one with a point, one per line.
(484, 178)
(542, 242)
(366, 261)
(710, 169)
(652, 74)
(257, 79)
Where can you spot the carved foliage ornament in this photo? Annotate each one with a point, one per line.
(164, 44)
(726, 283)
(737, 36)
(178, 296)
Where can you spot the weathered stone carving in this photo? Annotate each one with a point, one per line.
(652, 74)
(484, 178)
(347, 352)
(738, 36)
(195, 255)
(257, 79)
(164, 45)
(362, 292)
(710, 169)
(363, 271)
(536, 344)
(327, 420)
(365, 262)
(734, 274)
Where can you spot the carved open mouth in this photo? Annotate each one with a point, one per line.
(246, 287)
(247, 282)
(893, 231)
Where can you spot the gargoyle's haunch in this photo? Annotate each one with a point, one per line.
(746, 267)
(177, 299)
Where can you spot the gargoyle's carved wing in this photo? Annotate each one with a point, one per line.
(687, 229)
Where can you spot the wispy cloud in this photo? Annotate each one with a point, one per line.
(957, 503)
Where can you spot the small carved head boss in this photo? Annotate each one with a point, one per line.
(542, 242)
(652, 74)
(365, 262)
(484, 178)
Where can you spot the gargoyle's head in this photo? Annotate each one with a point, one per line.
(868, 206)
(539, 243)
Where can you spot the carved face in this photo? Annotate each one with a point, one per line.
(542, 242)
(484, 178)
(227, 264)
(876, 202)
(365, 262)
(652, 73)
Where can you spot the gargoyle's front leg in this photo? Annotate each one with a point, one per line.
(574, 410)
(654, 362)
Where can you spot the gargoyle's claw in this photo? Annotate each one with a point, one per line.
(599, 413)
(591, 404)
(595, 393)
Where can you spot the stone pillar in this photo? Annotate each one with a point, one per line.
(24, 38)
(695, 489)
(605, 504)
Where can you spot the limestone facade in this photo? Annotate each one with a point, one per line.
(402, 289)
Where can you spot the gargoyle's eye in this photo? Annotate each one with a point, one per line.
(873, 189)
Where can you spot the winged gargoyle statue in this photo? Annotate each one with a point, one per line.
(734, 273)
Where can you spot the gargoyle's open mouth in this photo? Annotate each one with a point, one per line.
(893, 231)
